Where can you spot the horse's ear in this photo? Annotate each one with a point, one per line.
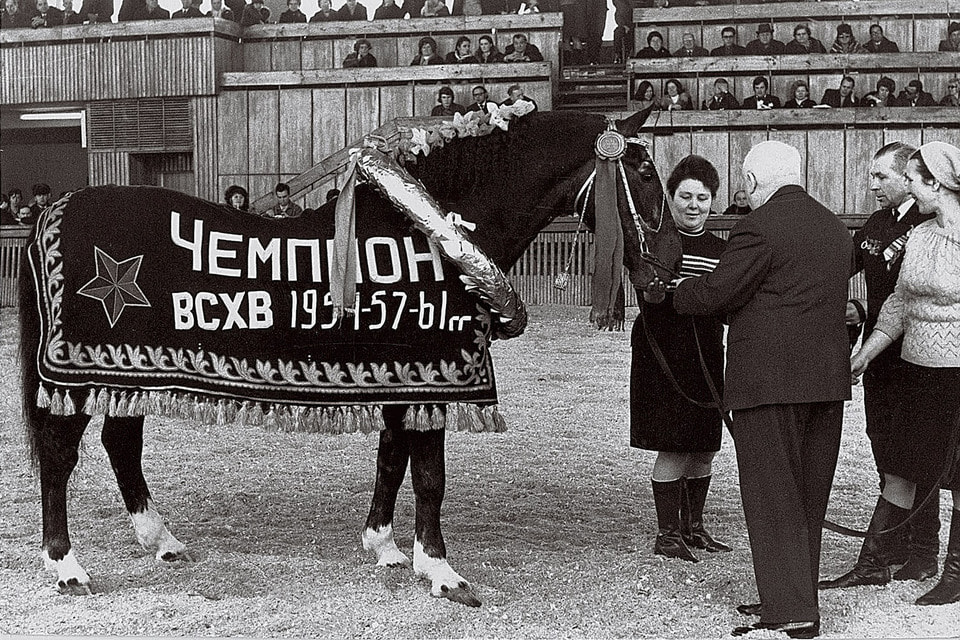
(630, 126)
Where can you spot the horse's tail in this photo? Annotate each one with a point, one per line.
(29, 344)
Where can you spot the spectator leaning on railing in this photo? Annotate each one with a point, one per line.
(292, 15)
(189, 10)
(46, 16)
(388, 10)
(325, 13)
(13, 17)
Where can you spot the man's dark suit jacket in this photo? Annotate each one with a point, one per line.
(782, 280)
(750, 102)
(832, 98)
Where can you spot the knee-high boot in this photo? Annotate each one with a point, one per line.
(948, 589)
(924, 539)
(691, 515)
(871, 567)
(666, 497)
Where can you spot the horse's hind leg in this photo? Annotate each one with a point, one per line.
(392, 456)
(57, 444)
(123, 440)
(427, 468)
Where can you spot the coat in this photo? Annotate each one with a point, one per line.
(782, 281)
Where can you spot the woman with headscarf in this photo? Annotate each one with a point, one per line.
(924, 309)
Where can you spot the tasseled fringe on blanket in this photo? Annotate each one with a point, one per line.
(457, 416)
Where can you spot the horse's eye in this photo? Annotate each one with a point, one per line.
(647, 170)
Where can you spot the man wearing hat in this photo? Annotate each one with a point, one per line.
(765, 44)
(729, 46)
(845, 42)
(952, 43)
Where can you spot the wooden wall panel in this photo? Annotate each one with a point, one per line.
(329, 122)
(112, 167)
(407, 49)
(928, 32)
(913, 137)
(715, 147)
(285, 54)
(740, 144)
(205, 147)
(261, 185)
(825, 168)
(796, 139)
(316, 54)
(899, 31)
(263, 125)
(396, 101)
(256, 56)
(296, 130)
(668, 151)
(861, 144)
(425, 98)
(951, 136)
(362, 109)
(232, 141)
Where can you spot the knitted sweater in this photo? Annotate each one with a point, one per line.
(925, 305)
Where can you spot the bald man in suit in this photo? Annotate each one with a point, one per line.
(782, 281)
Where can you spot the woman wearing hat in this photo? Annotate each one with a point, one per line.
(654, 48)
(845, 42)
(925, 310)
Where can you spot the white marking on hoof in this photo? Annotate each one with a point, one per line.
(444, 581)
(380, 542)
(153, 535)
(71, 578)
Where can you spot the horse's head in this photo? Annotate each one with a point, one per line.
(623, 199)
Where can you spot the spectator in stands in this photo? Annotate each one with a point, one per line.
(219, 10)
(46, 16)
(284, 207)
(236, 6)
(845, 42)
(446, 105)
(690, 48)
(952, 97)
(236, 197)
(352, 10)
(388, 10)
(884, 96)
(97, 11)
(530, 6)
(428, 53)
(675, 98)
(69, 16)
(324, 13)
(467, 8)
(644, 96)
(487, 50)
(722, 99)
(12, 17)
(952, 43)
(481, 101)
(729, 46)
(878, 43)
(462, 52)
(765, 44)
(740, 206)
(155, 11)
(521, 50)
(515, 94)
(654, 48)
(132, 10)
(434, 9)
(842, 97)
(574, 32)
(915, 96)
(188, 10)
(255, 13)
(799, 96)
(361, 56)
(761, 99)
(803, 42)
(6, 216)
(293, 14)
(18, 208)
(41, 199)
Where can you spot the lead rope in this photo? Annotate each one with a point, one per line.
(563, 278)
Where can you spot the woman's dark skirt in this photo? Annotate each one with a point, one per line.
(926, 417)
(661, 419)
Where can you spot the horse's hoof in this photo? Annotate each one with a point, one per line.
(461, 594)
(395, 560)
(74, 587)
(185, 556)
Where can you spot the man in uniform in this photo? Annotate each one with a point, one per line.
(878, 252)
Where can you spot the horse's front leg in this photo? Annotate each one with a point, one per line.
(392, 456)
(428, 471)
(123, 440)
(57, 442)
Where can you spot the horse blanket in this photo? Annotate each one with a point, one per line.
(154, 302)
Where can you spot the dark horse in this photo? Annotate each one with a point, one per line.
(510, 185)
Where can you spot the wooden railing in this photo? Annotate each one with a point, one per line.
(13, 238)
(324, 45)
(821, 72)
(914, 26)
(152, 58)
(290, 121)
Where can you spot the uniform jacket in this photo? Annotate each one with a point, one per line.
(782, 280)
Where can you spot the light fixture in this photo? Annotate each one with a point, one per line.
(53, 115)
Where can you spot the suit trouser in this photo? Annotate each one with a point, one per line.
(787, 454)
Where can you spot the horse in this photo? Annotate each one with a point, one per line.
(507, 185)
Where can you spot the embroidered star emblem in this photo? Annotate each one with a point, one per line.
(115, 285)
